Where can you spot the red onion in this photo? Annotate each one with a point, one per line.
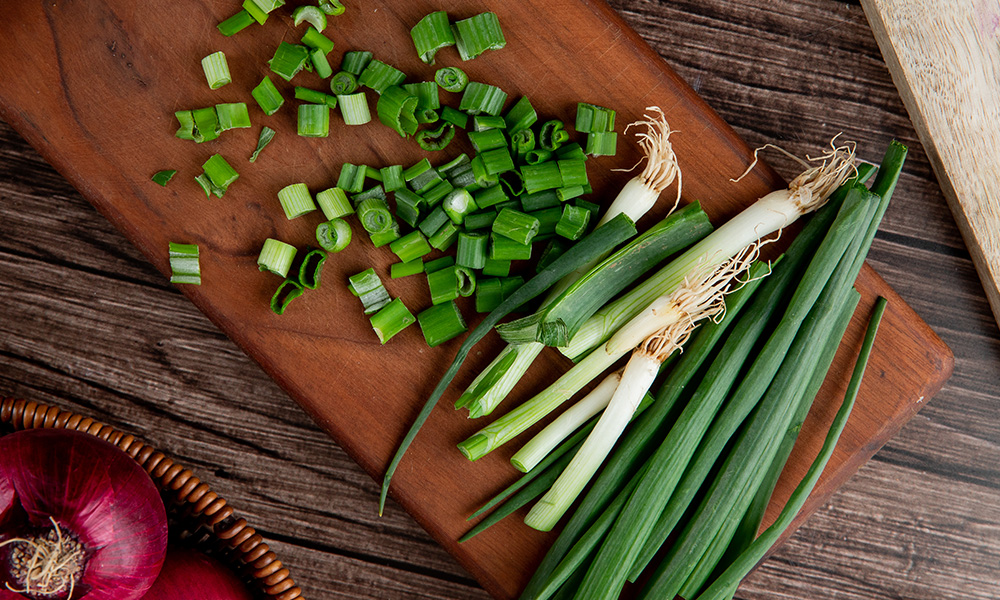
(90, 520)
(190, 575)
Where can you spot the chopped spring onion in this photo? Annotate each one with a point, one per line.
(276, 257)
(484, 122)
(520, 117)
(354, 108)
(543, 176)
(314, 97)
(267, 5)
(432, 33)
(451, 79)
(496, 268)
(310, 268)
(235, 23)
(314, 120)
(289, 59)
(343, 83)
(444, 237)
(573, 172)
(487, 139)
(332, 7)
(537, 156)
(573, 222)
(455, 117)
(313, 15)
(482, 98)
(410, 247)
(479, 220)
(267, 96)
(391, 319)
(572, 191)
(596, 244)
(232, 116)
(472, 250)
(216, 70)
(433, 222)
(426, 93)
(355, 62)
(515, 225)
(496, 161)
(334, 203)
(522, 142)
(206, 124)
(489, 295)
(162, 177)
(184, 266)
(367, 286)
(333, 235)
(392, 178)
(552, 251)
(466, 281)
(504, 248)
(490, 196)
(457, 204)
(426, 116)
(296, 200)
(375, 191)
(571, 152)
(477, 34)
(186, 120)
(288, 290)
(383, 238)
(219, 171)
(438, 192)
(352, 178)
(317, 41)
(375, 216)
(408, 207)
(538, 201)
(396, 109)
(594, 119)
(439, 263)
(436, 139)
(441, 323)
(552, 135)
(207, 187)
(256, 13)
(405, 269)
(604, 143)
(379, 76)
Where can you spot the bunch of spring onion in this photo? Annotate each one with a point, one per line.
(636, 198)
(768, 215)
(656, 333)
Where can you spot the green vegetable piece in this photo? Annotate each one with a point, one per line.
(313, 15)
(436, 139)
(235, 23)
(162, 177)
(334, 203)
(391, 319)
(289, 59)
(276, 257)
(380, 76)
(233, 116)
(333, 235)
(332, 7)
(552, 135)
(354, 62)
(430, 34)
(267, 96)
(602, 143)
(343, 83)
(396, 109)
(296, 200)
(219, 171)
(405, 269)
(288, 290)
(520, 117)
(354, 108)
(451, 79)
(314, 120)
(184, 265)
(516, 225)
(266, 135)
(443, 285)
(477, 34)
(216, 70)
(594, 119)
(317, 41)
(573, 223)
(482, 98)
(455, 117)
(411, 246)
(441, 323)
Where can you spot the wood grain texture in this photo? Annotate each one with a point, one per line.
(184, 384)
(945, 62)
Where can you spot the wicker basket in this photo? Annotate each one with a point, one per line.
(202, 516)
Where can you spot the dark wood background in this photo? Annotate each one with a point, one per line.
(89, 325)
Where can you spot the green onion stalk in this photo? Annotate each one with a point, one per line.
(638, 196)
(665, 326)
(773, 212)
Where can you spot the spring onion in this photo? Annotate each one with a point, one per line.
(539, 201)
(571, 152)
(289, 59)
(288, 290)
(479, 220)
(267, 6)
(455, 117)
(332, 7)
(515, 225)
(432, 33)
(354, 108)
(235, 23)
(216, 70)
(496, 268)
(354, 62)
(405, 269)
(396, 109)
(343, 83)
(444, 237)
(522, 142)
(490, 196)
(162, 177)
(489, 295)
(333, 235)
(441, 323)
(391, 319)
(184, 265)
(334, 203)
(773, 212)
(386, 237)
(457, 204)
(314, 120)
(256, 12)
(520, 117)
(314, 96)
(572, 191)
(408, 206)
(436, 139)
(477, 34)
(482, 98)
(267, 96)
(438, 263)
(484, 122)
(472, 250)
(367, 286)
(206, 124)
(604, 143)
(487, 139)
(543, 176)
(538, 156)
(426, 93)
(592, 246)
(311, 14)
(594, 119)
(276, 257)
(375, 216)
(573, 222)
(552, 135)
(451, 79)
(220, 172)
(232, 116)
(504, 248)
(186, 120)
(351, 178)
(495, 161)
(440, 191)
(379, 76)
(296, 200)
(320, 63)
(410, 247)
(309, 268)
(466, 281)
(317, 41)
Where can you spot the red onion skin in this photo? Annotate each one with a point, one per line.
(97, 492)
(190, 575)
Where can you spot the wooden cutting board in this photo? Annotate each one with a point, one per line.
(93, 86)
(945, 60)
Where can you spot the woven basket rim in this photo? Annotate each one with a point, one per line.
(185, 493)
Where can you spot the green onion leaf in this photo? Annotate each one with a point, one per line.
(333, 235)
(375, 216)
(256, 13)
(436, 139)
(496, 268)
(184, 264)
(433, 222)
(488, 139)
(216, 70)
(206, 124)
(309, 269)
(573, 223)
(477, 34)
(430, 34)
(354, 108)
(332, 7)
(455, 117)
(162, 177)
(314, 96)
(604, 143)
(484, 122)
(343, 83)
(288, 290)
(317, 41)
(490, 196)
(396, 108)
(408, 207)
(426, 93)
(267, 96)
(441, 323)
(410, 247)
(355, 62)
(379, 76)
(367, 286)
(542, 200)
(289, 59)
(443, 285)
(482, 98)
(444, 237)
(320, 63)
(352, 178)
(392, 178)
(219, 171)
(186, 129)
(552, 135)
(480, 220)
(276, 257)
(439, 263)
(503, 248)
(391, 319)
(235, 23)
(466, 281)
(232, 116)
(334, 203)
(296, 200)
(543, 176)
(472, 250)
(522, 142)
(312, 14)
(489, 295)
(314, 120)
(594, 119)
(520, 117)
(451, 79)
(405, 269)
(457, 204)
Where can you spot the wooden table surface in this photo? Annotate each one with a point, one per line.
(87, 324)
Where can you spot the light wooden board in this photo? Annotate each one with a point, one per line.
(945, 60)
(79, 67)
